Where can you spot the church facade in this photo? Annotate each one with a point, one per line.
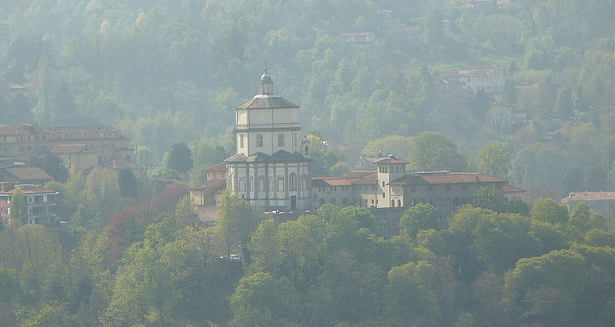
(271, 167)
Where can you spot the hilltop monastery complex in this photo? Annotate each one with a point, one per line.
(271, 170)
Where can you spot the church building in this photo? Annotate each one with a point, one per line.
(271, 169)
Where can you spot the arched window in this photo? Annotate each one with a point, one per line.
(242, 185)
(399, 203)
(382, 183)
(304, 181)
(392, 203)
(271, 188)
(292, 182)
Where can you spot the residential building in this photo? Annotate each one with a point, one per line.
(81, 148)
(40, 203)
(25, 175)
(464, 84)
(76, 157)
(601, 202)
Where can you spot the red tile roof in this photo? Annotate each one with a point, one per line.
(391, 161)
(29, 174)
(512, 189)
(71, 149)
(27, 190)
(446, 178)
(22, 129)
(589, 196)
(218, 167)
(211, 184)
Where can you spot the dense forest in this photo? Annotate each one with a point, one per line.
(169, 73)
(172, 71)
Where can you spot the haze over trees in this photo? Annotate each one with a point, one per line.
(169, 73)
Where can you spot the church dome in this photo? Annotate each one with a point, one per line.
(265, 78)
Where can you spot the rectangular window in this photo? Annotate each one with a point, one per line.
(259, 140)
(241, 141)
(280, 140)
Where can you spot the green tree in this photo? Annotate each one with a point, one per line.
(431, 151)
(494, 159)
(235, 219)
(414, 299)
(179, 158)
(51, 164)
(489, 198)
(260, 300)
(548, 210)
(564, 103)
(396, 145)
(18, 209)
(420, 217)
(185, 213)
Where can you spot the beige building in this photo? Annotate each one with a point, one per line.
(392, 187)
(601, 202)
(103, 143)
(271, 167)
(40, 203)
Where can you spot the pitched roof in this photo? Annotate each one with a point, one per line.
(28, 189)
(218, 167)
(87, 132)
(29, 174)
(391, 160)
(71, 149)
(445, 178)
(22, 129)
(213, 184)
(280, 156)
(588, 196)
(331, 181)
(262, 101)
(347, 179)
(512, 189)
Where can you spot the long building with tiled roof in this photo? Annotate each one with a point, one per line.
(84, 146)
(392, 187)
